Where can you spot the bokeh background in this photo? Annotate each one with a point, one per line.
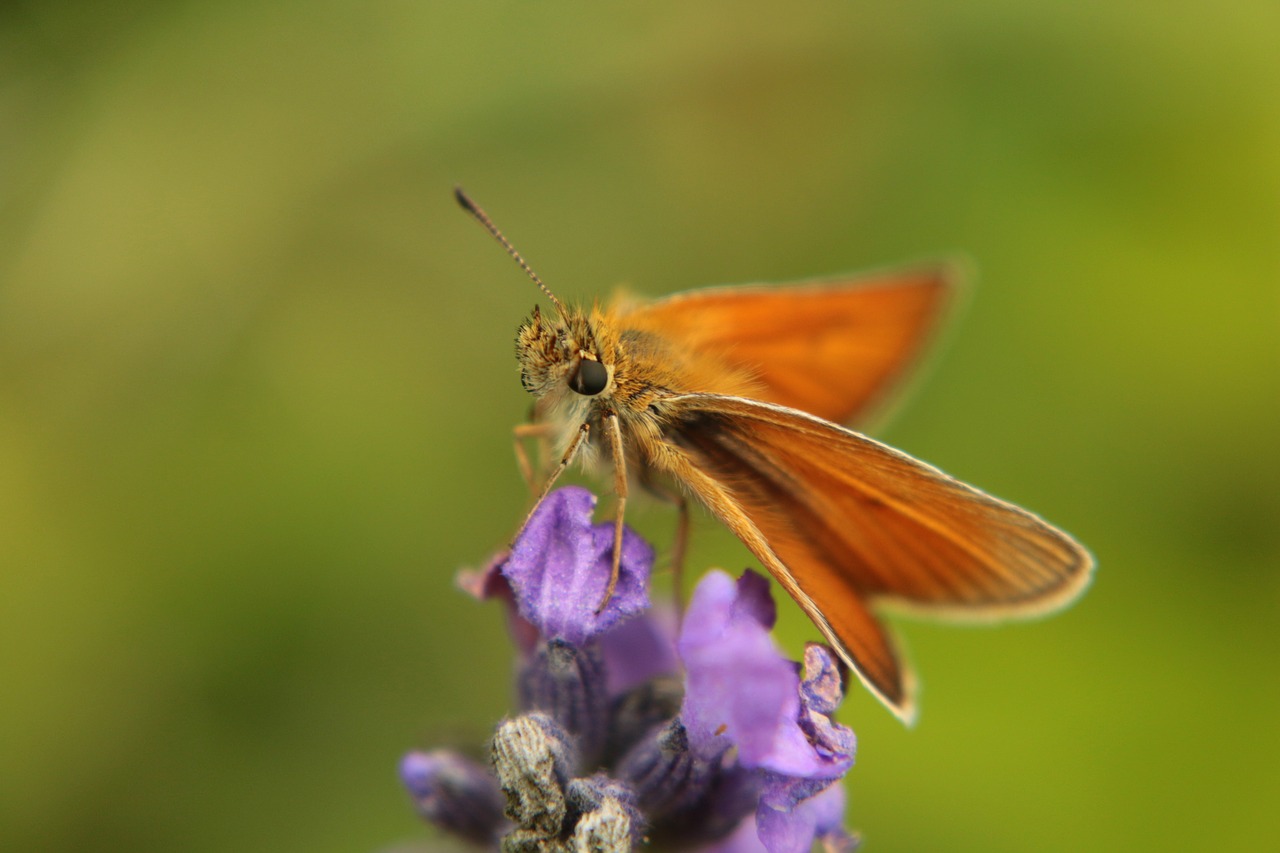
(256, 383)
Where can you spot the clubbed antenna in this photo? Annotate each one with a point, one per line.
(483, 218)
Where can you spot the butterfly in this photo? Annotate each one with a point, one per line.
(737, 397)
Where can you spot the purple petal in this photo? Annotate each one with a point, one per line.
(741, 692)
(744, 839)
(794, 829)
(560, 564)
(755, 601)
(725, 603)
(640, 649)
(834, 745)
(739, 689)
(797, 807)
(821, 690)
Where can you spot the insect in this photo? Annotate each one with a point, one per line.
(735, 396)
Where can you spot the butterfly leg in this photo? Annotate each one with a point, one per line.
(620, 489)
(541, 432)
(583, 432)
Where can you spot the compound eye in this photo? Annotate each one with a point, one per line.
(590, 378)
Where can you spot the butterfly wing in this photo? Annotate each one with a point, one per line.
(844, 522)
(833, 348)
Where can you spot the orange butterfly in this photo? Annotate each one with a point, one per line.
(734, 395)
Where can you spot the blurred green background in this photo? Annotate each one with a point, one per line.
(256, 383)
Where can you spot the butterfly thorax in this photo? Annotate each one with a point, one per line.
(635, 369)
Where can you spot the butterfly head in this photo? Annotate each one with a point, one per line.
(563, 359)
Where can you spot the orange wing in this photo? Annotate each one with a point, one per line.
(843, 521)
(833, 349)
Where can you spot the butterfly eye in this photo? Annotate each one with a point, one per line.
(590, 378)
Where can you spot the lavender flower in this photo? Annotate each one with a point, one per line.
(454, 793)
(707, 739)
(559, 569)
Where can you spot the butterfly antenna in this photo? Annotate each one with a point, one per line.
(483, 218)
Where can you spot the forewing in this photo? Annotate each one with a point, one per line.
(854, 522)
(834, 349)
